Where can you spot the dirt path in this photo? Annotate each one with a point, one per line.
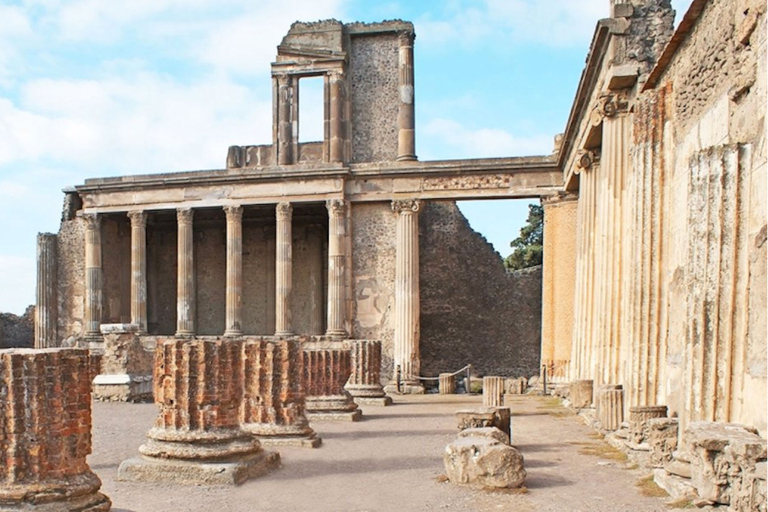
(391, 461)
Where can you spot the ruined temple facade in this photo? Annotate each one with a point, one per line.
(350, 237)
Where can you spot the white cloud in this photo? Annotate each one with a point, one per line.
(17, 283)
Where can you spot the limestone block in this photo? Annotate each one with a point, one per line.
(609, 405)
(639, 418)
(484, 461)
(581, 393)
(498, 417)
(677, 487)
(447, 384)
(493, 391)
(724, 458)
(662, 436)
(45, 432)
(490, 432)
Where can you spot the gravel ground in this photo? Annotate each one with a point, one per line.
(390, 461)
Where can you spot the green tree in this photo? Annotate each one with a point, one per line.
(528, 248)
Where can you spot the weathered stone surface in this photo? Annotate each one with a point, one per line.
(326, 368)
(493, 391)
(45, 432)
(126, 367)
(609, 406)
(677, 487)
(490, 432)
(484, 461)
(516, 386)
(17, 331)
(447, 384)
(365, 382)
(498, 417)
(581, 393)
(639, 418)
(662, 436)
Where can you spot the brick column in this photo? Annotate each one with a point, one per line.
(336, 268)
(93, 276)
(197, 436)
(45, 431)
(365, 383)
(407, 297)
(406, 119)
(234, 300)
(327, 367)
(185, 284)
(139, 269)
(273, 399)
(46, 304)
(283, 270)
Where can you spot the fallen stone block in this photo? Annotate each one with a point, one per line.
(484, 461)
(489, 432)
(499, 417)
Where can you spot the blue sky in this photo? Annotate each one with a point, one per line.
(93, 88)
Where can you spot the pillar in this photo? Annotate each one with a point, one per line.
(327, 367)
(273, 399)
(406, 339)
(234, 300)
(46, 304)
(285, 121)
(93, 276)
(185, 285)
(337, 232)
(336, 104)
(316, 242)
(197, 436)
(45, 431)
(609, 406)
(558, 284)
(365, 383)
(493, 391)
(406, 119)
(139, 269)
(283, 270)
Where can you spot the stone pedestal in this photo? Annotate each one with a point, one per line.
(327, 366)
(609, 406)
(197, 438)
(447, 384)
(493, 391)
(273, 398)
(45, 432)
(365, 383)
(662, 436)
(639, 418)
(47, 303)
(581, 393)
(499, 417)
(126, 367)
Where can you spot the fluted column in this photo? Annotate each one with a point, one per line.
(139, 269)
(407, 296)
(93, 275)
(234, 300)
(46, 305)
(406, 135)
(283, 270)
(336, 267)
(493, 391)
(365, 382)
(185, 286)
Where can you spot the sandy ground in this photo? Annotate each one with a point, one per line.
(390, 461)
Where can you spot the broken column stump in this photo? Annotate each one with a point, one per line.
(273, 395)
(662, 436)
(483, 457)
(499, 417)
(493, 391)
(197, 438)
(581, 393)
(45, 432)
(126, 367)
(639, 418)
(326, 367)
(365, 383)
(447, 384)
(609, 406)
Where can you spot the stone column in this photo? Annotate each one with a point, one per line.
(406, 119)
(316, 241)
(365, 383)
(407, 297)
(447, 384)
(273, 400)
(337, 232)
(283, 270)
(493, 391)
(93, 276)
(46, 304)
(185, 285)
(234, 301)
(327, 367)
(609, 406)
(139, 269)
(197, 438)
(285, 121)
(336, 85)
(45, 431)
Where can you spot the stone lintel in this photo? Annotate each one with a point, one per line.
(118, 328)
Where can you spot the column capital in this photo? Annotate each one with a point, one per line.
(184, 215)
(233, 212)
(586, 159)
(609, 105)
(406, 205)
(92, 220)
(284, 210)
(559, 198)
(336, 206)
(406, 38)
(138, 218)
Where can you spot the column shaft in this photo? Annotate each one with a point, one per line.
(285, 98)
(139, 269)
(185, 286)
(283, 270)
(336, 268)
(46, 308)
(336, 85)
(93, 275)
(406, 138)
(234, 300)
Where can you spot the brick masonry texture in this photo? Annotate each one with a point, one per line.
(17, 331)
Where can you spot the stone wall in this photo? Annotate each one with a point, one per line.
(17, 331)
(71, 278)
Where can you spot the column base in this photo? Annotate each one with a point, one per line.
(77, 493)
(406, 388)
(381, 401)
(296, 441)
(221, 472)
(337, 335)
(123, 388)
(184, 334)
(284, 334)
(300, 435)
(406, 158)
(233, 334)
(332, 408)
(368, 394)
(355, 415)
